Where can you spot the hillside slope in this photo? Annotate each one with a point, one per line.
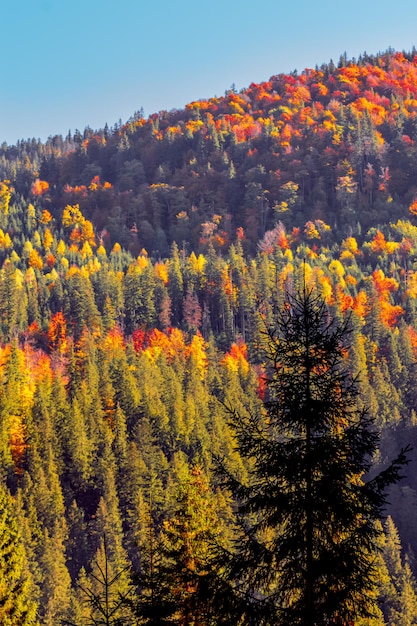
(139, 266)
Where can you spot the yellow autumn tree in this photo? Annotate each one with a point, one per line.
(5, 195)
(48, 239)
(35, 259)
(72, 216)
(87, 233)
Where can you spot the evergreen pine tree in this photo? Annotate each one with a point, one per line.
(392, 550)
(100, 601)
(399, 593)
(154, 604)
(174, 570)
(175, 285)
(305, 552)
(56, 582)
(17, 607)
(404, 611)
(187, 537)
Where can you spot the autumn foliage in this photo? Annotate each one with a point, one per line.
(140, 266)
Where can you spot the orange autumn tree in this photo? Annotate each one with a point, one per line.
(413, 207)
(380, 245)
(57, 333)
(16, 401)
(39, 187)
(236, 360)
(389, 313)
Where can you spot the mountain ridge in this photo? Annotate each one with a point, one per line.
(333, 143)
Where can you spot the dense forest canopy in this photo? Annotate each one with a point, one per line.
(140, 266)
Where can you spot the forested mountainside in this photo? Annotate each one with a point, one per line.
(140, 266)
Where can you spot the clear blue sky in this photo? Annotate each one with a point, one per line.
(68, 64)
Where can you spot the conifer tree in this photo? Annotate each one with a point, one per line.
(392, 550)
(307, 517)
(187, 536)
(153, 605)
(17, 607)
(139, 289)
(399, 594)
(174, 570)
(404, 611)
(56, 582)
(175, 285)
(100, 599)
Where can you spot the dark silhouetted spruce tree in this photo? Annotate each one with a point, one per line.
(307, 532)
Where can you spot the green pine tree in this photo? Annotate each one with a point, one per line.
(404, 611)
(17, 606)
